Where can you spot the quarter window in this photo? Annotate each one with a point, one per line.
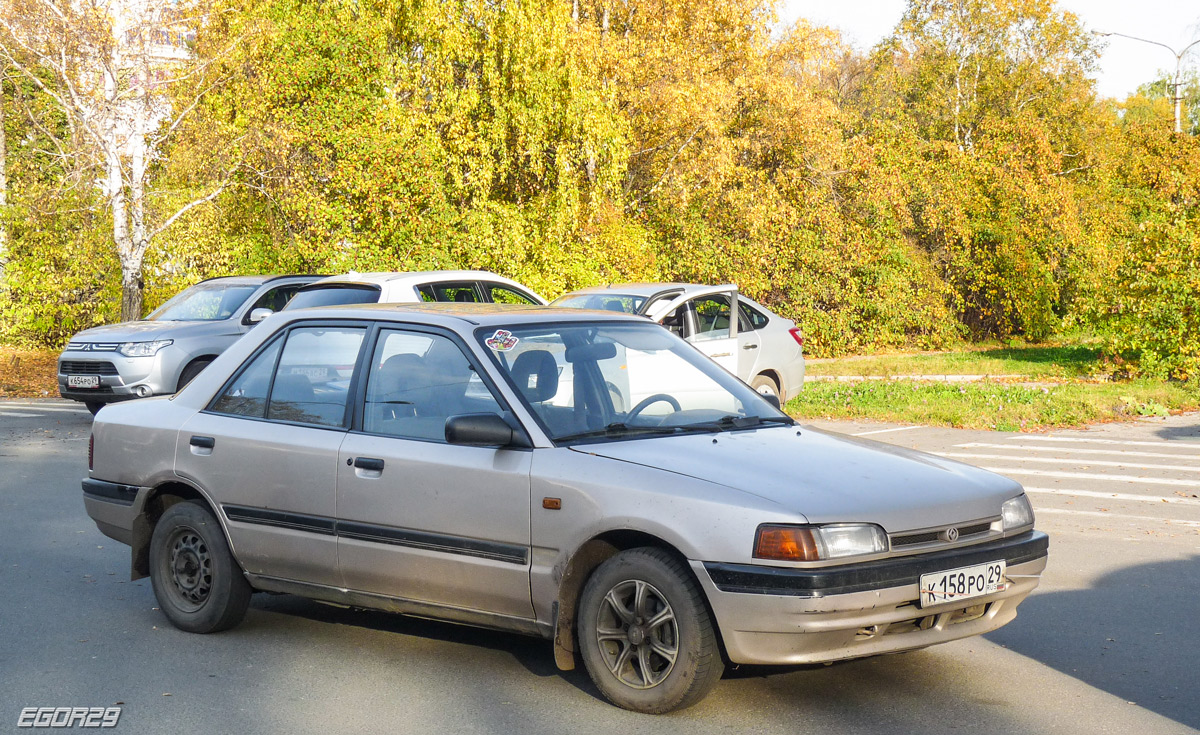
(247, 395)
(756, 318)
(417, 381)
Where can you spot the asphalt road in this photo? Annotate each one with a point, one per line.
(1109, 643)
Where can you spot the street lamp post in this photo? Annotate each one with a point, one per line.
(1178, 95)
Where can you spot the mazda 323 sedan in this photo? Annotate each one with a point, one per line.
(586, 477)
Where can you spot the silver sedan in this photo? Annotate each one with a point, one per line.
(469, 462)
(760, 347)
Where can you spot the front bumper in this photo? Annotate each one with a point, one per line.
(120, 377)
(773, 615)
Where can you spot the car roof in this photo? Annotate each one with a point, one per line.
(637, 289)
(462, 315)
(380, 278)
(253, 280)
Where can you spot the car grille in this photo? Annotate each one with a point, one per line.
(935, 535)
(93, 346)
(87, 367)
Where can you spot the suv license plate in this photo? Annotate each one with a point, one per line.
(83, 381)
(962, 583)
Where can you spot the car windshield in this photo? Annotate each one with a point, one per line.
(616, 381)
(333, 295)
(627, 303)
(204, 302)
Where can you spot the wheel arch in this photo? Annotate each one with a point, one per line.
(157, 501)
(590, 555)
(206, 359)
(776, 378)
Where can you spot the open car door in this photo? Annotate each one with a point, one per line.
(707, 318)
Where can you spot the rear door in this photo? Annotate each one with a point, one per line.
(419, 518)
(266, 450)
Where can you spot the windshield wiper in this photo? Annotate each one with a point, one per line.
(733, 422)
(617, 429)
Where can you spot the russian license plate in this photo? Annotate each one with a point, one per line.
(312, 373)
(962, 583)
(83, 381)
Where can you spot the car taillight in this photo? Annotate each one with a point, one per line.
(797, 335)
(91, 450)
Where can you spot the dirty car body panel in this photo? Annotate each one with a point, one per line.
(328, 445)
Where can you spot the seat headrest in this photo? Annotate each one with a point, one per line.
(536, 375)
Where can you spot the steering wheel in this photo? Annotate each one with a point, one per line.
(645, 402)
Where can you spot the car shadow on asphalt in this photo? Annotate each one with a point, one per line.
(1131, 634)
(1186, 433)
(534, 654)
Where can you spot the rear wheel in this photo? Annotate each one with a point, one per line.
(198, 584)
(765, 385)
(645, 633)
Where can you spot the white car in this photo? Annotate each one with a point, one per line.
(415, 287)
(762, 348)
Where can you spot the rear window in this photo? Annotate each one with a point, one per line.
(334, 295)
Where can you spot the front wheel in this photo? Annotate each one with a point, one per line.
(198, 584)
(94, 406)
(647, 639)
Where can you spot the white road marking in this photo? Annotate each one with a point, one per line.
(1114, 496)
(1094, 476)
(52, 409)
(885, 431)
(1079, 450)
(17, 415)
(1069, 461)
(1100, 514)
(1116, 442)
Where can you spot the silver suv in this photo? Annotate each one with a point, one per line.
(163, 352)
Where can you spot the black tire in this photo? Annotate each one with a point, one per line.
(628, 667)
(767, 386)
(94, 406)
(198, 584)
(190, 372)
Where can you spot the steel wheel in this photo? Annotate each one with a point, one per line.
(637, 634)
(198, 583)
(191, 569)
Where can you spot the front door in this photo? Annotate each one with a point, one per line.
(419, 518)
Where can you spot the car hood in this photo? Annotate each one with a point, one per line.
(827, 477)
(145, 331)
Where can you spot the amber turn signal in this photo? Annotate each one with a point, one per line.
(785, 543)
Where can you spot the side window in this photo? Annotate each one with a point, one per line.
(312, 382)
(274, 299)
(506, 295)
(247, 395)
(712, 317)
(460, 292)
(753, 317)
(417, 381)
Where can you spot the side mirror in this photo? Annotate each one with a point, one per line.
(482, 430)
(257, 315)
(772, 399)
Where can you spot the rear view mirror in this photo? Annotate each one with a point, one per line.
(257, 315)
(592, 352)
(772, 399)
(482, 430)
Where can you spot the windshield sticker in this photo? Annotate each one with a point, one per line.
(502, 341)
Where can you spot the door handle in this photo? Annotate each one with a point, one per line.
(749, 347)
(369, 463)
(202, 446)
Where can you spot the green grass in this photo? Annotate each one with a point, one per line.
(1042, 362)
(992, 405)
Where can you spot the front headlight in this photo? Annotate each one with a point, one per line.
(817, 543)
(143, 349)
(1016, 513)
